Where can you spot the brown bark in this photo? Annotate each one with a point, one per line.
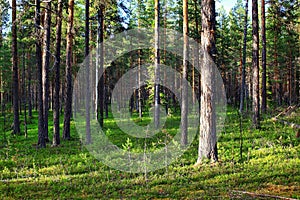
(207, 140)
(243, 86)
(100, 117)
(16, 127)
(56, 129)
(68, 89)
(184, 100)
(87, 63)
(46, 63)
(41, 137)
(255, 65)
(264, 58)
(156, 63)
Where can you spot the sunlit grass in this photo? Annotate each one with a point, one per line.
(269, 164)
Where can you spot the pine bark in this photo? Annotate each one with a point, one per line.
(87, 62)
(101, 63)
(68, 88)
(16, 126)
(46, 63)
(184, 92)
(41, 136)
(255, 66)
(156, 64)
(243, 86)
(208, 139)
(56, 105)
(264, 58)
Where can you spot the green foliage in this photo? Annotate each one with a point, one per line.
(270, 165)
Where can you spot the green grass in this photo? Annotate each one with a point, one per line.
(270, 164)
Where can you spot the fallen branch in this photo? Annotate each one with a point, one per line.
(293, 125)
(262, 195)
(288, 111)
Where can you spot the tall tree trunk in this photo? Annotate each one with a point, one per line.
(157, 63)
(184, 92)
(46, 63)
(101, 63)
(255, 65)
(87, 62)
(56, 136)
(243, 86)
(29, 88)
(264, 58)
(1, 77)
(24, 95)
(208, 138)
(140, 107)
(196, 51)
(41, 137)
(68, 89)
(16, 128)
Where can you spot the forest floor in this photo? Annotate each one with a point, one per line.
(269, 165)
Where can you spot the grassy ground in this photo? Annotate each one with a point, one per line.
(269, 164)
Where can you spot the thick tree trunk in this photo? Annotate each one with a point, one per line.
(56, 136)
(156, 63)
(264, 58)
(208, 139)
(243, 86)
(68, 89)
(46, 63)
(41, 136)
(255, 65)
(184, 92)
(16, 127)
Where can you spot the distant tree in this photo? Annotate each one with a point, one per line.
(16, 126)
(56, 136)
(255, 66)
(243, 85)
(184, 92)
(46, 63)
(156, 63)
(87, 64)
(208, 138)
(264, 58)
(68, 94)
(101, 63)
(41, 136)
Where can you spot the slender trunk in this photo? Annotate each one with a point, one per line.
(156, 62)
(243, 86)
(208, 139)
(184, 99)
(196, 65)
(29, 89)
(41, 137)
(16, 126)
(264, 58)
(46, 63)
(101, 82)
(68, 89)
(255, 65)
(56, 105)
(139, 68)
(97, 66)
(87, 62)
(24, 91)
